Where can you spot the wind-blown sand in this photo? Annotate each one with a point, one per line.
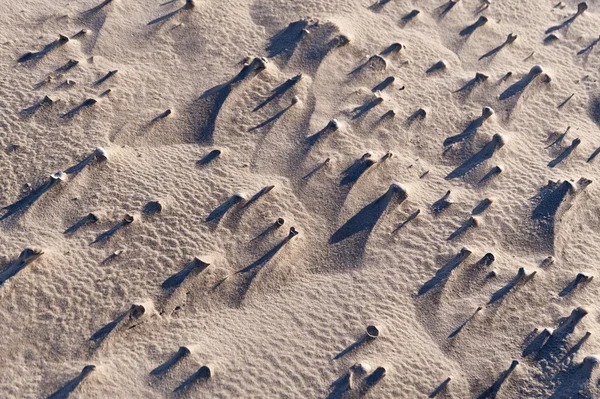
(277, 317)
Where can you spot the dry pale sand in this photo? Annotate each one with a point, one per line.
(277, 317)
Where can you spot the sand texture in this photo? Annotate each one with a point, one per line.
(148, 153)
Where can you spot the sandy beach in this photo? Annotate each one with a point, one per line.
(299, 199)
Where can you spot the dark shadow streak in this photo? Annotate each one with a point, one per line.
(271, 119)
(366, 219)
(27, 256)
(279, 91)
(492, 391)
(69, 387)
(175, 280)
(213, 99)
(222, 209)
(471, 28)
(484, 154)
(89, 218)
(87, 103)
(26, 202)
(565, 153)
(166, 366)
(444, 272)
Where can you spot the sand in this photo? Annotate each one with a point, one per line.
(283, 316)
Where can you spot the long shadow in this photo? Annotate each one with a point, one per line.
(175, 280)
(446, 8)
(438, 66)
(203, 374)
(97, 8)
(473, 27)
(384, 84)
(483, 155)
(319, 167)
(271, 119)
(576, 347)
(558, 340)
(481, 207)
(549, 199)
(418, 115)
(464, 323)
(86, 104)
(353, 346)
(559, 139)
(127, 220)
(263, 260)
(595, 109)
(25, 202)
(269, 230)
(412, 217)
(408, 17)
(279, 91)
(251, 271)
(492, 391)
(362, 110)
(565, 153)
(212, 100)
(472, 84)
(470, 222)
(378, 5)
(105, 78)
(580, 9)
(580, 279)
(520, 279)
(172, 361)
(68, 66)
(444, 272)
(69, 387)
(440, 205)
(537, 343)
(351, 174)
(339, 387)
(366, 219)
(470, 131)
(589, 47)
(263, 191)
(284, 42)
(87, 219)
(439, 388)
(135, 312)
(27, 256)
(170, 15)
(29, 111)
(392, 49)
(372, 379)
(496, 170)
(521, 85)
(594, 155)
(81, 165)
(332, 126)
(576, 379)
(43, 52)
(208, 158)
(221, 210)
(510, 39)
